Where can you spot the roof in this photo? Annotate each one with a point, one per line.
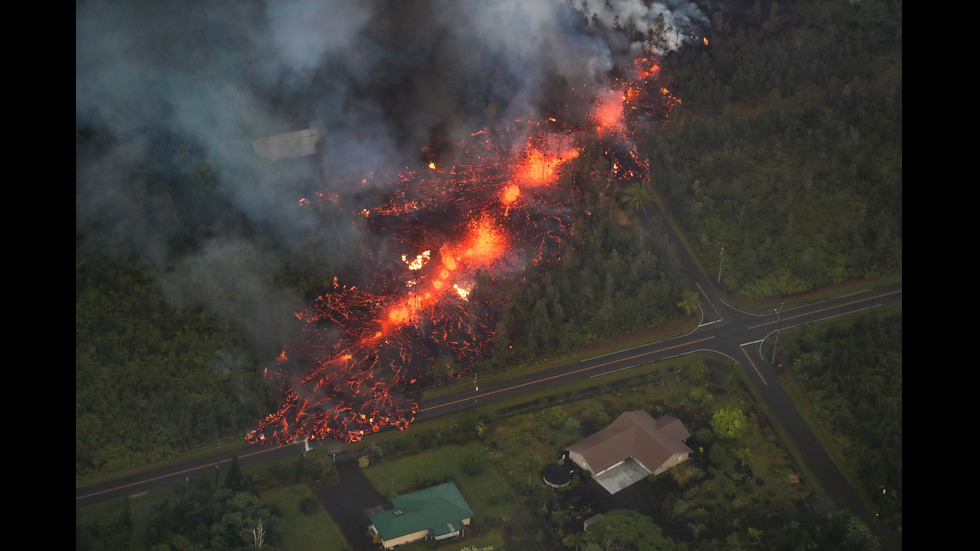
(637, 435)
(439, 509)
(291, 145)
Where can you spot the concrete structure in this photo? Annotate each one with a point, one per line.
(632, 447)
(439, 512)
(291, 145)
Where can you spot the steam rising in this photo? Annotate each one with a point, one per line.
(381, 77)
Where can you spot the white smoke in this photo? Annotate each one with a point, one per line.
(679, 18)
(377, 75)
(304, 32)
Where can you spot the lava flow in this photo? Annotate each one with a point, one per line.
(365, 348)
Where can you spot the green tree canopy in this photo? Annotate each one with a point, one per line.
(729, 422)
(200, 517)
(624, 529)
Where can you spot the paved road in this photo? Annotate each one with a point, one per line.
(166, 476)
(739, 335)
(725, 330)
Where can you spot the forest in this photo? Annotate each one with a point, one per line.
(852, 374)
(781, 163)
(788, 154)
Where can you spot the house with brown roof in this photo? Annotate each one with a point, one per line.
(632, 447)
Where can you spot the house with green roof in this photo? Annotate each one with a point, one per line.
(438, 512)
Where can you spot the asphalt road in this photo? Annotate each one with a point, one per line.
(738, 335)
(723, 330)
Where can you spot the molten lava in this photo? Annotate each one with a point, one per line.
(365, 349)
(609, 112)
(538, 165)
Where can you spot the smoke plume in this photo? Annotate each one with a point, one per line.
(392, 84)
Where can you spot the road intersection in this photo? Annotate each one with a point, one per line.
(741, 336)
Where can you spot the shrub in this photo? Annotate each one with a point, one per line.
(322, 472)
(474, 464)
(309, 505)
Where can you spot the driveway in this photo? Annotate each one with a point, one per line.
(348, 501)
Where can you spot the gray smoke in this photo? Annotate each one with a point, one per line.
(681, 19)
(386, 80)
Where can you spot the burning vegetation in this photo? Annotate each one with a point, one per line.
(365, 349)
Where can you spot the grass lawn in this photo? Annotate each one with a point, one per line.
(498, 469)
(499, 472)
(302, 532)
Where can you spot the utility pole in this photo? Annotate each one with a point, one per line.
(217, 469)
(721, 258)
(775, 344)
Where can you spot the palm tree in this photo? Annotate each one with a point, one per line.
(559, 516)
(637, 197)
(689, 302)
(731, 376)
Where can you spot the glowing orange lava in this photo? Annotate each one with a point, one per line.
(484, 243)
(510, 194)
(541, 161)
(609, 112)
(365, 348)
